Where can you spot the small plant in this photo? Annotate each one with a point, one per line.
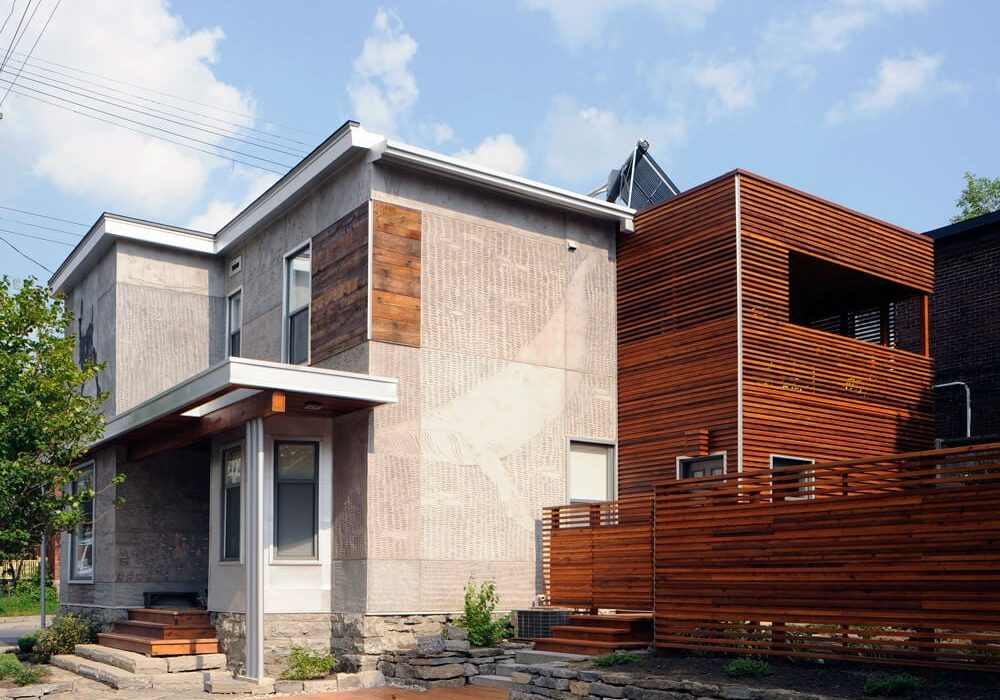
(616, 658)
(480, 602)
(30, 675)
(883, 685)
(9, 666)
(66, 632)
(27, 643)
(305, 664)
(748, 668)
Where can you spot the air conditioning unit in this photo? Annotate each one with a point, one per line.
(538, 622)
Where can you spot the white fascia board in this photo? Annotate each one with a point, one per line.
(242, 373)
(404, 154)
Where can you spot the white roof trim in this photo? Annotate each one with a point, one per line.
(253, 374)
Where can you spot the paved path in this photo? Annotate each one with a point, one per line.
(13, 628)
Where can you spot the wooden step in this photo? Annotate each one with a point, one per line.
(588, 647)
(158, 630)
(158, 647)
(600, 634)
(630, 621)
(183, 617)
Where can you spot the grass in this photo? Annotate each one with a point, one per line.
(891, 686)
(26, 600)
(748, 668)
(616, 658)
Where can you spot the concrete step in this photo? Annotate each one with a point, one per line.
(221, 683)
(122, 679)
(530, 656)
(125, 660)
(506, 669)
(491, 681)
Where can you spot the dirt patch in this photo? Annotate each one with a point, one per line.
(836, 679)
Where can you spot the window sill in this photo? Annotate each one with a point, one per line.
(79, 581)
(295, 562)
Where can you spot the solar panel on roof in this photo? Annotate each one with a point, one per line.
(640, 182)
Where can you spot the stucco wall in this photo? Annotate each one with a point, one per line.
(92, 301)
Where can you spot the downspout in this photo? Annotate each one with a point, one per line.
(968, 403)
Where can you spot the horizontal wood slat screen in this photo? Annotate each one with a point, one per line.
(893, 560)
(599, 555)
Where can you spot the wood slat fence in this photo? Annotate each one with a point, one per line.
(892, 560)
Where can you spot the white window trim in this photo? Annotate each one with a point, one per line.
(229, 320)
(272, 469)
(92, 465)
(810, 477)
(612, 471)
(681, 458)
(222, 561)
(284, 302)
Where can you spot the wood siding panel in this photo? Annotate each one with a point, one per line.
(396, 234)
(339, 309)
(677, 349)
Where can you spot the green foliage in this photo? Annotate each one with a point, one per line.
(27, 642)
(748, 668)
(883, 685)
(305, 664)
(980, 196)
(30, 675)
(46, 422)
(480, 602)
(64, 634)
(26, 599)
(9, 666)
(616, 658)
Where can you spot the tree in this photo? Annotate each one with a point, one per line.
(980, 196)
(46, 422)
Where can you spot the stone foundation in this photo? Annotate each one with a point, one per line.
(358, 640)
(100, 619)
(231, 630)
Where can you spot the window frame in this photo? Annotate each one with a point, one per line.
(73, 534)
(612, 466)
(275, 487)
(808, 489)
(238, 292)
(287, 311)
(682, 458)
(228, 447)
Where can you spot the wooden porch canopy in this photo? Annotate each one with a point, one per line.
(235, 391)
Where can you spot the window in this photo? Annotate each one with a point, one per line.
(81, 551)
(232, 489)
(296, 465)
(792, 489)
(234, 322)
(591, 472)
(298, 274)
(694, 467)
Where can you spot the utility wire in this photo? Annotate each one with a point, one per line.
(37, 238)
(44, 216)
(16, 39)
(163, 138)
(118, 103)
(24, 255)
(31, 50)
(47, 228)
(3, 26)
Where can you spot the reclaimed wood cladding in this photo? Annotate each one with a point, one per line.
(396, 234)
(677, 342)
(339, 308)
(808, 393)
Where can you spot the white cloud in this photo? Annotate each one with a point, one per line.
(138, 41)
(219, 212)
(501, 152)
(897, 79)
(383, 89)
(581, 144)
(731, 85)
(443, 133)
(580, 23)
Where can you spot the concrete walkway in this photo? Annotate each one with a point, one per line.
(13, 628)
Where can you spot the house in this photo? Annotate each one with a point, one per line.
(349, 400)
(760, 327)
(965, 329)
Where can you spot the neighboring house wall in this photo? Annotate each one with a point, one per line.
(93, 303)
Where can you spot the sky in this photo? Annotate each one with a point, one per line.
(182, 112)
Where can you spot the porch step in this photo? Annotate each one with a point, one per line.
(600, 634)
(119, 678)
(625, 621)
(142, 664)
(158, 647)
(491, 681)
(540, 656)
(159, 630)
(181, 617)
(587, 647)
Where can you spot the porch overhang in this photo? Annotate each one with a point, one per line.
(235, 391)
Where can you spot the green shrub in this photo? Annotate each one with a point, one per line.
(64, 634)
(30, 675)
(480, 602)
(891, 686)
(27, 643)
(616, 658)
(9, 666)
(305, 664)
(752, 668)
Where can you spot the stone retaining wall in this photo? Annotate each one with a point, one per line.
(561, 682)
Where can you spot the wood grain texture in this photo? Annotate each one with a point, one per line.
(339, 309)
(396, 234)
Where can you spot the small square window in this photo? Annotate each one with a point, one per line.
(696, 467)
(795, 478)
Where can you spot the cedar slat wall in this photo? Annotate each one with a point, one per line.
(339, 308)
(809, 393)
(891, 560)
(677, 356)
(599, 555)
(396, 274)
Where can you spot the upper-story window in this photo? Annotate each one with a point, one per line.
(298, 272)
(697, 467)
(234, 323)
(81, 539)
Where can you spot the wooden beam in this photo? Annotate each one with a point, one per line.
(926, 324)
(262, 405)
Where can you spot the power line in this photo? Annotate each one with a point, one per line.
(44, 216)
(16, 39)
(3, 26)
(37, 238)
(24, 255)
(47, 228)
(31, 50)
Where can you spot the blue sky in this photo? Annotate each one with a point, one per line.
(877, 104)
